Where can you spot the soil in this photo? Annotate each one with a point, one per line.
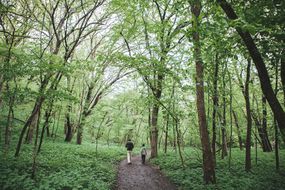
(138, 176)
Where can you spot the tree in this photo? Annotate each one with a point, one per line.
(208, 161)
(261, 68)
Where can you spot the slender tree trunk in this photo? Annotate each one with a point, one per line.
(267, 144)
(174, 136)
(249, 121)
(276, 145)
(238, 130)
(276, 132)
(208, 161)
(261, 68)
(149, 116)
(215, 107)
(179, 140)
(224, 134)
(46, 124)
(166, 133)
(231, 119)
(262, 128)
(34, 166)
(283, 74)
(35, 111)
(10, 118)
(167, 120)
(48, 113)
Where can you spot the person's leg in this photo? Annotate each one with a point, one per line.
(129, 157)
(143, 159)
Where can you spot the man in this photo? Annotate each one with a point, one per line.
(129, 146)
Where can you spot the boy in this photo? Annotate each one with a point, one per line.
(143, 153)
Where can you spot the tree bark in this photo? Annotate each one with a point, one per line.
(69, 126)
(224, 134)
(35, 111)
(249, 121)
(283, 74)
(261, 68)
(267, 145)
(166, 133)
(10, 117)
(238, 130)
(32, 127)
(208, 161)
(215, 108)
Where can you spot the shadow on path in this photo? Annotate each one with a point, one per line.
(137, 176)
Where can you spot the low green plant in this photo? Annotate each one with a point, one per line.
(263, 175)
(62, 166)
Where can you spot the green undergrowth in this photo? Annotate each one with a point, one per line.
(262, 177)
(61, 166)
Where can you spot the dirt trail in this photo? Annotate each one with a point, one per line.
(137, 176)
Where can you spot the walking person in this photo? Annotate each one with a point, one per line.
(143, 153)
(129, 146)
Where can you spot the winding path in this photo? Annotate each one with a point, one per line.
(137, 176)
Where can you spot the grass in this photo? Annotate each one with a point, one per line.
(262, 177)
(61, 166)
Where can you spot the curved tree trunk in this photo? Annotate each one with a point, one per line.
(35, 111)
(261, 68)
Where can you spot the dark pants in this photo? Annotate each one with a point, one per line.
(143, 159)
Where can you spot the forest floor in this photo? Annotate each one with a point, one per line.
(140, 176)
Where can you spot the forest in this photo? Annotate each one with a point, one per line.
(200, 82)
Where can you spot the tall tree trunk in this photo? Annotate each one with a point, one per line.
(48, 113)
(167, 119)
(34, 167)
(267, 145)
(215, 107)
(68, 124)
(154, 117)
(179, 140)
(249, 121)
(261, 125)
(238, 130)
(208, 161)
(154, 130)
(166, 133)
(35, 112)
(174, 136)
(10, 117)
(224, 134)
(276, 132)
(80, 130)
(46, 125)
(149, 115)
(231, 119)
(283, 74)
(32, 127)
(261, 68)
